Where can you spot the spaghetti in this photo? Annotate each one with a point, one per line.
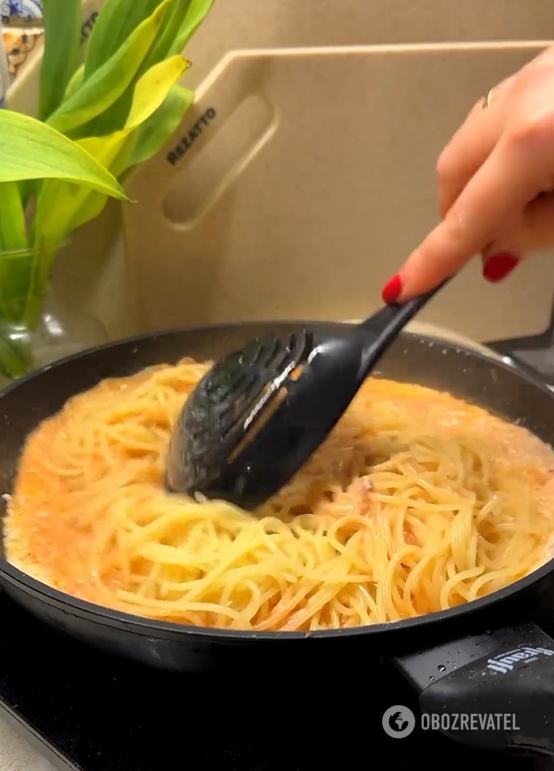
(417, 502)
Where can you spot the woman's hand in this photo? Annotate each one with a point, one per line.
(496, 185)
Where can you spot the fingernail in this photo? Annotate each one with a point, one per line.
(391, 291)
(499, 266)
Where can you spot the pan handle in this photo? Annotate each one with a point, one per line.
(534, 354)
(493, 691)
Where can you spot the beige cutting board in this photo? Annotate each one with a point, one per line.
(301, 180)
(234, 24)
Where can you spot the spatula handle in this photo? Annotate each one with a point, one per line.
(384, 326)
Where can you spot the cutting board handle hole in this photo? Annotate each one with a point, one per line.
(202, 179)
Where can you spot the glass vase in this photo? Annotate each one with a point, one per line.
(36, 327)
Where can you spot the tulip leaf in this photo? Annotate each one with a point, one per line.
(62, 36)
(166, 41)
(116, 22)
(182, 20)
(30, 149)
(180, 26)
(197, 11)
(16, 358)
(152, 89)
(76, 81)
(112, 79)
(98, 120)
(114, 118)
(13, 232)
(61, 208)
(155, 132)
(93, 204)
(15, 260)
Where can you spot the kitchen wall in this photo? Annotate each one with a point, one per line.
(304, 201)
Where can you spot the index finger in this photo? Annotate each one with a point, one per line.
(516, 172)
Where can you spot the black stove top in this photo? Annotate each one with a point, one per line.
(88, 711)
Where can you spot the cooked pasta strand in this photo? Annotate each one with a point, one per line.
(417, 502)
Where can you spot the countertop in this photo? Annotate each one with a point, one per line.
(17, 755)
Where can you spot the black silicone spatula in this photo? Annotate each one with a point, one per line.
(260, 413)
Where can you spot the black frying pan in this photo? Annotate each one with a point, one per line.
(469, 663)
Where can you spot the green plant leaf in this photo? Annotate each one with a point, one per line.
(76, 82)
(13, 233)
(114, 118)
(182, 20)
(16, 266)
(21, 300)
(180, 25)
(116, 22)
(30, 149)
(26, 189)
(15, 258)
(154, 133)
(196, 13)
(165, 42)
(62, 35)
(93, 203)
(152, 89)
(110, 81)
(61, 208)
(16, 357)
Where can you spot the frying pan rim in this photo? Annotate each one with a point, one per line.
(103, 616)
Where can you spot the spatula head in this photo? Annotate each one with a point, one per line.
(260, 413)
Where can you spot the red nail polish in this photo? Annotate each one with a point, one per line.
(499, 266)
(391, 291)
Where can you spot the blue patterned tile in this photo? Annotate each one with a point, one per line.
(24, 9)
